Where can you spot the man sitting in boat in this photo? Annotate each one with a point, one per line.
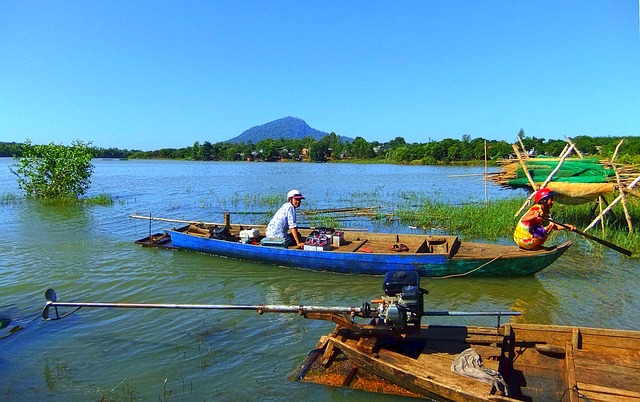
(530, 233)
(285, 220)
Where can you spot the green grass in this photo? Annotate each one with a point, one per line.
(497, 220)
(101, 199)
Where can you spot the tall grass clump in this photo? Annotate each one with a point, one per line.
(101, 199)
(498, 220)
(469, 220)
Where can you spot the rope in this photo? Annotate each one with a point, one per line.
(574, 389)
(467, 273)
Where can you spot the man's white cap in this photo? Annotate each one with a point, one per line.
(295, 194)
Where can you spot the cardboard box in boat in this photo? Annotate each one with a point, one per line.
(318, 243)
(337, 239)
(325, 247)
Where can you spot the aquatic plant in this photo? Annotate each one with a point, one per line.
(54, 171)
(10, 198)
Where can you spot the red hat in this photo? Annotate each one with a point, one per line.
(542, 195)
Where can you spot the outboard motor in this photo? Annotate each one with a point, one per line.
(403, 300)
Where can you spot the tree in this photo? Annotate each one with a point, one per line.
(361, 149)
(318, 151)
(54, 171)
(196, 151)
(207, 151)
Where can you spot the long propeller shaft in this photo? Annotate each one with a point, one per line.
(362, 311)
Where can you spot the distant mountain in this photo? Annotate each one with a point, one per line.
(288, 128)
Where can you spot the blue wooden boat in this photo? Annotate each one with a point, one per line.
(359, 252)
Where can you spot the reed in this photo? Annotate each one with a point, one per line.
(466, 220)
(101, 199)
(9, 199)
(497, 220)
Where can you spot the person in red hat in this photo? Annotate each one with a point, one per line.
(530, 232)
(284, 220)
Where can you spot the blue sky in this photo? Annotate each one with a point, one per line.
(156, 74)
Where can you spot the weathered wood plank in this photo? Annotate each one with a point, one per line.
(570, 372)
(606, 392)
(604, 358)
(432, 377)
(609, 376)
(353, 246)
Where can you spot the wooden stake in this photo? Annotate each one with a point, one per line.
(600, 202)
(563, 150)
(623, 199)
(614, 202)
(486, 196)
(526, 154)
(575, 148)
(524, 167)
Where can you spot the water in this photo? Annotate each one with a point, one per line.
(87, 254)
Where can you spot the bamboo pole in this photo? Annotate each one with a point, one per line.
(524, 167)
(614, 202)
(557, 168)
(486, 193)
(623, 199)
(575, 148)
(600, 202)
(136, 216)
(523, 148)
(548, 179)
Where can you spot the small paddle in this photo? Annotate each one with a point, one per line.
(596, 239)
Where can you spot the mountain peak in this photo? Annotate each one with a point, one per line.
(287, 127)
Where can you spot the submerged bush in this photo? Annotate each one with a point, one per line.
(54, 171)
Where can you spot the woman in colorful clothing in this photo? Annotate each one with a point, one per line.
(530, 232)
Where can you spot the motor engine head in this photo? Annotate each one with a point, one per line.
(403, 302)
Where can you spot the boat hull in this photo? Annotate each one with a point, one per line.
(478, 260)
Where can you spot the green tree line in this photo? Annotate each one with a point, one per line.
(331, 147)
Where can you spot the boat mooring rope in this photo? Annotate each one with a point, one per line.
(466, 273)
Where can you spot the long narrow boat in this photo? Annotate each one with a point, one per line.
(361, 252)
(534, 363)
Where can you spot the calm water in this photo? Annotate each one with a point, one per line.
(87, 254)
